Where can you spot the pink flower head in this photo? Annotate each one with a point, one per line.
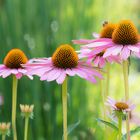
(97, 59)
(120, 105)
(63, 62)
(12, 64)
(124, 42)
(94, 54)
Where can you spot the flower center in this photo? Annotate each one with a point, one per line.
(65, 57)
(121, 105)
(15, 58)
(125, 34)
(107, 30)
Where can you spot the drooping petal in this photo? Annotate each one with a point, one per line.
(62, 77)
(102, 62)
(96, 61)
(22, 70)
(5, 73)
(91, 79)
(82, 41)
(134, 48)
(125, 53)
(108, 52)
(117, 49)
(53, 74)
(80, 73)
(97, 50)
(70, 72)
(99, 44)
(18, 75)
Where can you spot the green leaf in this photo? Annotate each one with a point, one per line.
(132, 132)
(108, 124)
(72, 127)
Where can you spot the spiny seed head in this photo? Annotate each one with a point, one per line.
(15, 58)
(121, 106)
(65, 57)
(107, 30)
(125, 34)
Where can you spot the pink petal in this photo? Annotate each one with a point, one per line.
(102, 62)
(133, 48)
(97, 50)
(39, 71)
(14, 71)
(99, 44)
(117, 49)
(53, 74)
(96, 35)
(22, 70)
(91, 79)
(5, 73)
(125, 53)
(62, 77)
(96, 61)
(82, 41)
(70, 72)
(109, 51)
(19, 75)
(80, 73)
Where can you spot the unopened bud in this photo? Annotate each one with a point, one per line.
(27, 110)
(4, 128)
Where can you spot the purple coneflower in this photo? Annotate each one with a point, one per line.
(12, 65)
(63, 63)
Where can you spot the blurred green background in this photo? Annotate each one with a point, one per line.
(38, 27)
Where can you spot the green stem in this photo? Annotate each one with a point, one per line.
(26, 128)
(107, 80)
(120, 127)
(126, 85)
(103, 97)
(64, 102)
(14, 104)
(3, 137)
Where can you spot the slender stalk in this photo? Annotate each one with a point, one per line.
(120, 127)
(103, 97)
(126, 85)
(3, 137)
(107, 80)
(14, 104)
(64, 102)
(26, 128)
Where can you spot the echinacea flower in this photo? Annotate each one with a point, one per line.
(94, 54)
(12, 64)
(124, 41)
(4, 128)
(65, 61)
(27, 110)
(122, 106)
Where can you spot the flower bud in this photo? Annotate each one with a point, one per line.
(4, 128)
(27, 110)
